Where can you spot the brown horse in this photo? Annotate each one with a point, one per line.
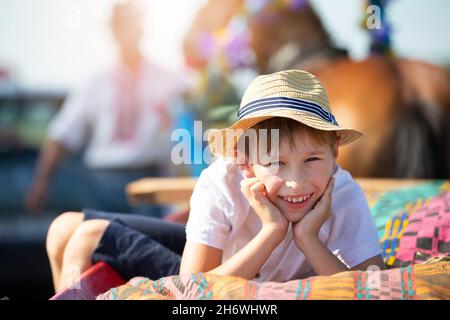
(402, 106)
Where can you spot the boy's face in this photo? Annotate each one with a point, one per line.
(301, 178)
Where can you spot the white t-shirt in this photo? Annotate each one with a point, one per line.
(221, 217)
(121, 123)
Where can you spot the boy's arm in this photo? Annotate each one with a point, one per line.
(374, 261)
(246, 263)
(324, 262)
(199, 257)
(306, 235)
(321, 259)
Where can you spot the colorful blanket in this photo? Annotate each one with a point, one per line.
(421, 281)
(417, 229)
(414, 229)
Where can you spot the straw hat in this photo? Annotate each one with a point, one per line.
(293, 94)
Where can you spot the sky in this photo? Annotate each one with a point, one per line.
(56, 44)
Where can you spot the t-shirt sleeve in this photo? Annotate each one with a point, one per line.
(70, 124)
(354, 237)
(207, 224)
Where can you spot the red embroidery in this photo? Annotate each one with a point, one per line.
(126, 109)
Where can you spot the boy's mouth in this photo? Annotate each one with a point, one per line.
(296, 202)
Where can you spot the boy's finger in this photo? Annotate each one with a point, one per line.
(245, 170)
(257, 188)
(257, 193)
(327, 194)
(246, 183)
(330, 185)
(331, 181)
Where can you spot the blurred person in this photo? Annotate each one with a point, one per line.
(120, 117)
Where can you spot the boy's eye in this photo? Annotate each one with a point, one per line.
(312, 159)
(275, 163)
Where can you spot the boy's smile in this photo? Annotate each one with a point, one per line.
(296, 201)
(300, 177)
(295, 211)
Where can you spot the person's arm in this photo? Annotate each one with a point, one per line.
(199, 257)
(324, 262)
(321, 259)
(306, 235)
(49, 158)
(374, 261)
(247, 262)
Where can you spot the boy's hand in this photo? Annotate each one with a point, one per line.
(271, 217)
(311, 223)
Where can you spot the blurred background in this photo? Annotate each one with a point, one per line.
(77, 78)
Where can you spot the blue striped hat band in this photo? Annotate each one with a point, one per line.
(286, 103)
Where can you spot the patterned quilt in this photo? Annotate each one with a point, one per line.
(430, 280)
(414, 229)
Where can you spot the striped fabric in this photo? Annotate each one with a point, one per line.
(421, 281)
(286, 103)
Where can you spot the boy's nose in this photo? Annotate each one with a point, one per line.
(294, 186)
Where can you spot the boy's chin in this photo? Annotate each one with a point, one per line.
(294, 217)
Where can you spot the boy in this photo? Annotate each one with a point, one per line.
(296, 215)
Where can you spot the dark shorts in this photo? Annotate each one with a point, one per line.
(139, 245)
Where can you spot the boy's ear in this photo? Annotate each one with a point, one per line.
(336, 148)
(247, 170)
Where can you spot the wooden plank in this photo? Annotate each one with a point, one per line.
(178, 190)
(380, 185)
(160, 190)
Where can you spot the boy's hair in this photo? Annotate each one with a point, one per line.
(288, 130)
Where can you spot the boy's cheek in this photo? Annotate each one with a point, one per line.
(322, 176)
(272, 184)
(323, 184)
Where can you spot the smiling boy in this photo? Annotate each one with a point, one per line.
(296, 215)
